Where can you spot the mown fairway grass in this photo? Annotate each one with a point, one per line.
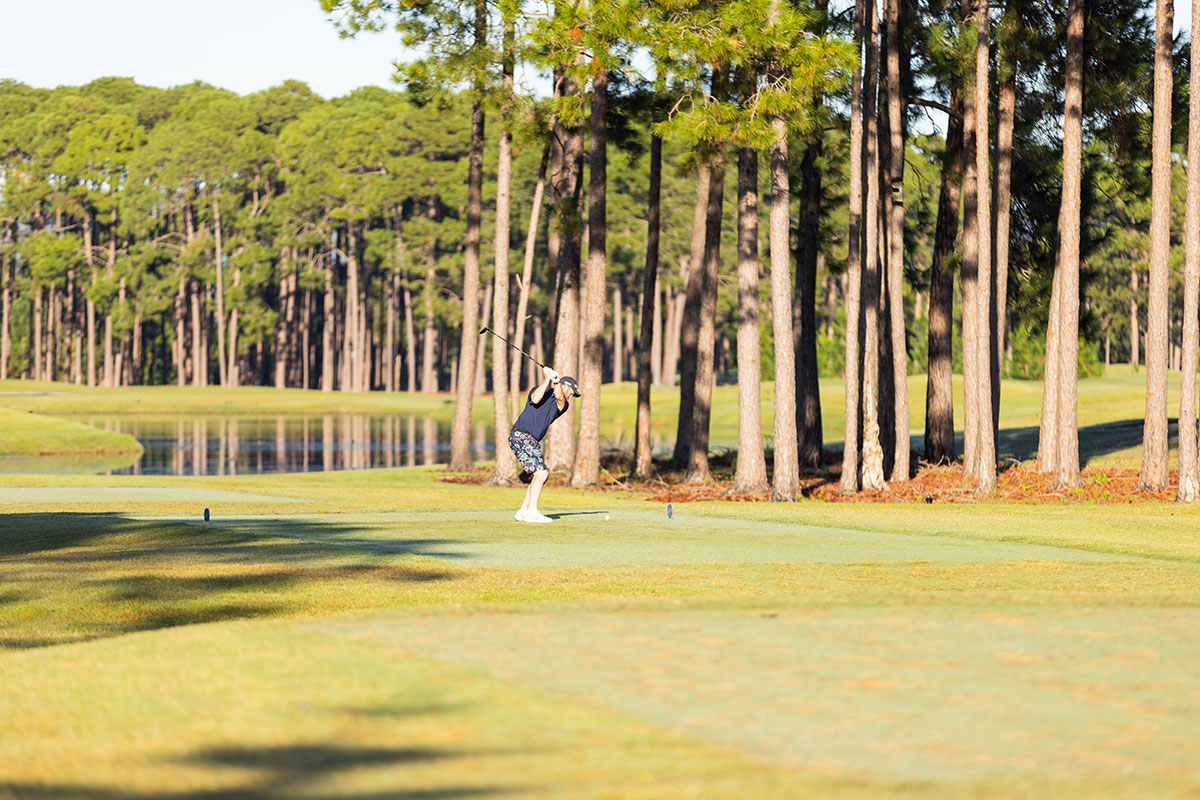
(28, 434)
(385, 634)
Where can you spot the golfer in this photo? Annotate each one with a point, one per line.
(543, 407)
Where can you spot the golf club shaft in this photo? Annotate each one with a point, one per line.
(513, 346)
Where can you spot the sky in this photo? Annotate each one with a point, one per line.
(242, 45)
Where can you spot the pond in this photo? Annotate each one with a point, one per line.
(234, 445)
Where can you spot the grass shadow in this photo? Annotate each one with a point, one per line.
(281, 771)
(1095, 441)
(72, 576)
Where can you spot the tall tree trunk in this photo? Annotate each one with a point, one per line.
(1047, 457)
(410, 342)
(233, 371)
(392, 300)
(666, 370)
(110, 375)
(306, 343)
(627, 340)
(107, 366)
(1066, 472)
(505, 471)
(751, 474)
(485, 313)
(895, 207)
(970, 267)
(122, 361)
(203, 288)
(1135, 358)
(985, 467)
(36, 337)
(198, 369)
(618, 346)
(689, 323)
(179, 345)
(809, 433)
(939, 393)
(848, 484)
(429, 378)
(872, 458)
(89, 227)
(137, 346)
(656, 337)
(1153, 475)
(366, 328)
(1005, 119)
(327, 343)
(887, 384)
(460, 432)
(587, 458)
(697, 463)
(286, 271)
(560, 458)
(76, 334)
(531, 234)
(650, 333)
(557, 188)
(60, 354)
(349, 325)
(1189, 475)
(785, 485)
(223, 359)
(6, 277)
(199, 354)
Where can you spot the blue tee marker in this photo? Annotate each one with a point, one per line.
(669, 514)
(206, 515)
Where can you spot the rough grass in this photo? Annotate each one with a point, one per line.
(383, 633)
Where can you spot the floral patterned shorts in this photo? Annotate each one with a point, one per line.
(528, 450)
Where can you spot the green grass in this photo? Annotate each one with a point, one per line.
(28, 434)
(382, 633)
(67, 398)
(1110, 409)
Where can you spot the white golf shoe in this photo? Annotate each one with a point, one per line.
(536, 516)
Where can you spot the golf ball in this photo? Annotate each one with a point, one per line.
(606, 517)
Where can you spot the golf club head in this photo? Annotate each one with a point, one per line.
(482, 331)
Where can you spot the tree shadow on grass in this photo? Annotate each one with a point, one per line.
(1094, 440)
(282, 771)
(289, 540)
(112, 574)
(305, 769)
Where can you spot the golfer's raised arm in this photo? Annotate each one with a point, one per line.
(540, 391)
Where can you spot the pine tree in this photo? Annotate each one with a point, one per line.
(1189, 477)
(1153, 475)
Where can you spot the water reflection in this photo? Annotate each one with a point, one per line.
(289, 443)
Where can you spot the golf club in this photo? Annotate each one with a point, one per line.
(486, 329)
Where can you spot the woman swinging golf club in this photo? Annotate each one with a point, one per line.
(543, 407)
